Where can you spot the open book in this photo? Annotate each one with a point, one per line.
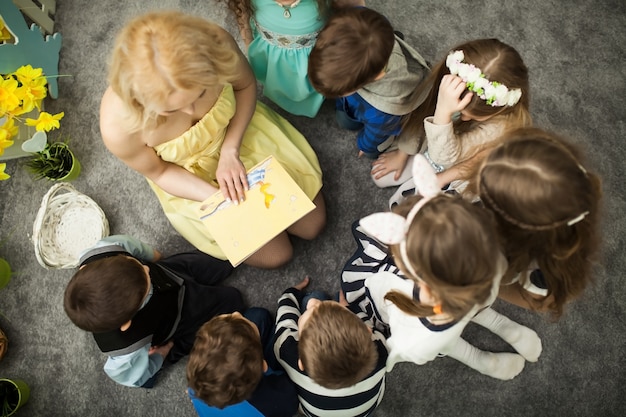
(273, 203)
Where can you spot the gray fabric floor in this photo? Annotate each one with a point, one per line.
(575, 52)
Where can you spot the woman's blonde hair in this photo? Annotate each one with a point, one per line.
(537, 187)
(498, 62)
(452, 245)
(161, 52)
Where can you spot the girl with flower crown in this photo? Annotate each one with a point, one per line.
(546, 207)
(479, 91)
(422, 274)
(279, 35)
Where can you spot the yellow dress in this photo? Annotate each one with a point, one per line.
(198, 151)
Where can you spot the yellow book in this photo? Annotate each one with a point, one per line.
(272, 204)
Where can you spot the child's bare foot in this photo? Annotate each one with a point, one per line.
(303, 284)
(342, 299)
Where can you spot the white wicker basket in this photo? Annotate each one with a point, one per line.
(68, 222)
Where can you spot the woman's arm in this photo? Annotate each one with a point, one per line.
(231, 173)
(131, 150)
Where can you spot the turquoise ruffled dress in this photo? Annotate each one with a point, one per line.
(279, 54)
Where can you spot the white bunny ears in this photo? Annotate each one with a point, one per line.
(391, 228)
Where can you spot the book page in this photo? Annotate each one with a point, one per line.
(272, 204)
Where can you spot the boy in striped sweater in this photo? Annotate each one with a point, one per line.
(335, 360)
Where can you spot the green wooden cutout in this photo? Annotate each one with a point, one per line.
(29, 47)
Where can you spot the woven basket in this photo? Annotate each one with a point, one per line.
(68, 222)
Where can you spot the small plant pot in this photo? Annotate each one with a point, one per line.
(14, 393)
(5, 273)
(74, 171)
(56, 163)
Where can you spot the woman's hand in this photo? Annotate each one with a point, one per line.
(389, 162)
(449, 99)
(231, 176)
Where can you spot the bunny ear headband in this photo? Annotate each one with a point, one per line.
(391, 228)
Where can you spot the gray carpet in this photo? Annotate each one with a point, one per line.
(575, 52)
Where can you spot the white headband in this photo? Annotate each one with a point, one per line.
(391, 228)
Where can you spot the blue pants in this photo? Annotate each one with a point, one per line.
(263, 320)
(343, 119)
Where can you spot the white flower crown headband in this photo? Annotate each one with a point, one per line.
(494, 93)
(391, 228)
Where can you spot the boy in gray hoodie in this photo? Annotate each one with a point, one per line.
(373, 74)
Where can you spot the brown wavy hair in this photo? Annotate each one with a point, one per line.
(244, 9)
(226, 361)
(535, 183)
(499, 62)
(453, 247)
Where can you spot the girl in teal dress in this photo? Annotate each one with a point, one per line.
(279, 35)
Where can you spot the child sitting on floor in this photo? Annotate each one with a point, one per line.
(373, 75)
(336, 362)
(474, 95)
(143, 309)
(546, 204)
(228, 371)
(442, 271)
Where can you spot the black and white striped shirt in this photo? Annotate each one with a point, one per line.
(358, 400)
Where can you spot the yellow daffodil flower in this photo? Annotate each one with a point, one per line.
(3, 175)
(8, 99)
(46, 121)
(27, 74)
(28, 100)
(4, 144)
(22, 91)
(5, 34)
(7, 131)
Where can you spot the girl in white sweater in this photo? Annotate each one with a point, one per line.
(476, 93)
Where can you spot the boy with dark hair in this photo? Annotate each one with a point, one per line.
(141, 308)
(335, 360)
(228, 374)
(373, 75)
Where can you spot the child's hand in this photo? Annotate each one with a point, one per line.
(303, 284)
(361, 153)
(389, 162)
(162, 350)
(449, 100)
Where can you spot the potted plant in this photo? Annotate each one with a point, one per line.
(5, 273)
(5, 277)
(14, 393)
(55, 162)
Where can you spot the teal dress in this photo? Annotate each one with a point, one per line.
(279, 53)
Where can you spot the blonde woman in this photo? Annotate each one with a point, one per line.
(181, 110)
